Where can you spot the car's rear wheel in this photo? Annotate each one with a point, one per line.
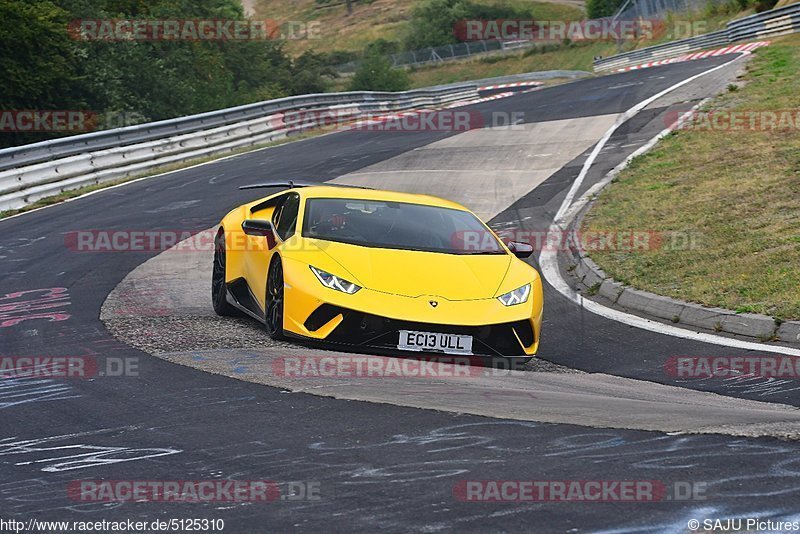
(218, 287)
(274, 301)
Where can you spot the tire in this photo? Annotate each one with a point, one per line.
(273, 315)
(218, 288)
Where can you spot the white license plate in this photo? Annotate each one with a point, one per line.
(447, 343)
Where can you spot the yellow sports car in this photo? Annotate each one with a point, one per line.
(372, 270)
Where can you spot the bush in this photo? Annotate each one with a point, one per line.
(382, 47)
(311, 73)
(596, 9)
(433, 21)
(337, 57)
(376, 74)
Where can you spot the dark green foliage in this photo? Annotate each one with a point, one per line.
(376, 74)
(433, 21)
(45, 68)
(596, 9)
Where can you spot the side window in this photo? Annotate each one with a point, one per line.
(276, 211)
(287, 216)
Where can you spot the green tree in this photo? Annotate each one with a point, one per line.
(433, 22)
(45, 67)
(38, 62)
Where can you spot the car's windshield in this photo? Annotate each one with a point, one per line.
(398, 225)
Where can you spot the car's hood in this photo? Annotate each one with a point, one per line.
(413, 273)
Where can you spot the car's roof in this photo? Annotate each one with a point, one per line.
(323, 191)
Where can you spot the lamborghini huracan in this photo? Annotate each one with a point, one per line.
(372, 270)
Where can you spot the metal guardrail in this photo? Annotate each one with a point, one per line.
(31, 172)
(662, 51)
(75, 144)
(781, 21)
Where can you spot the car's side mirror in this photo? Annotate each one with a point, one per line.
(520, 250)
(259, 227)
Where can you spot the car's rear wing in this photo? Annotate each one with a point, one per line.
(292, 184)
(288, 183)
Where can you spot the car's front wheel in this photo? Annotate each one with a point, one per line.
(218, 287)
(274, 301)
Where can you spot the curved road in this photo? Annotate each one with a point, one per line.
(377, 465)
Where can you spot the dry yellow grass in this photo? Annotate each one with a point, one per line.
(336, 30)
(386, 19)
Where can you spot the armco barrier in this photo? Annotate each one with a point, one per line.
(781, 21)
(663, 51)
(31, 172)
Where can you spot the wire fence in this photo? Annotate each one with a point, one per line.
(631, 10)
(438, 54)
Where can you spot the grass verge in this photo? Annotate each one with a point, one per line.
(576, 57)
(734, 191)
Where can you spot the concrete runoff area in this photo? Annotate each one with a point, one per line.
(486, 169)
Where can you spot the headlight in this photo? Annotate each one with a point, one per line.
(334, 282)
(518, 296)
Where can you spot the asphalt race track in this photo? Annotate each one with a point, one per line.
(377, 465)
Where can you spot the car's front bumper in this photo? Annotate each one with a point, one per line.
(382, 333)
(372, 320)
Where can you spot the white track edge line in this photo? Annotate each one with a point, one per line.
(619, 122)
(548, 260)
